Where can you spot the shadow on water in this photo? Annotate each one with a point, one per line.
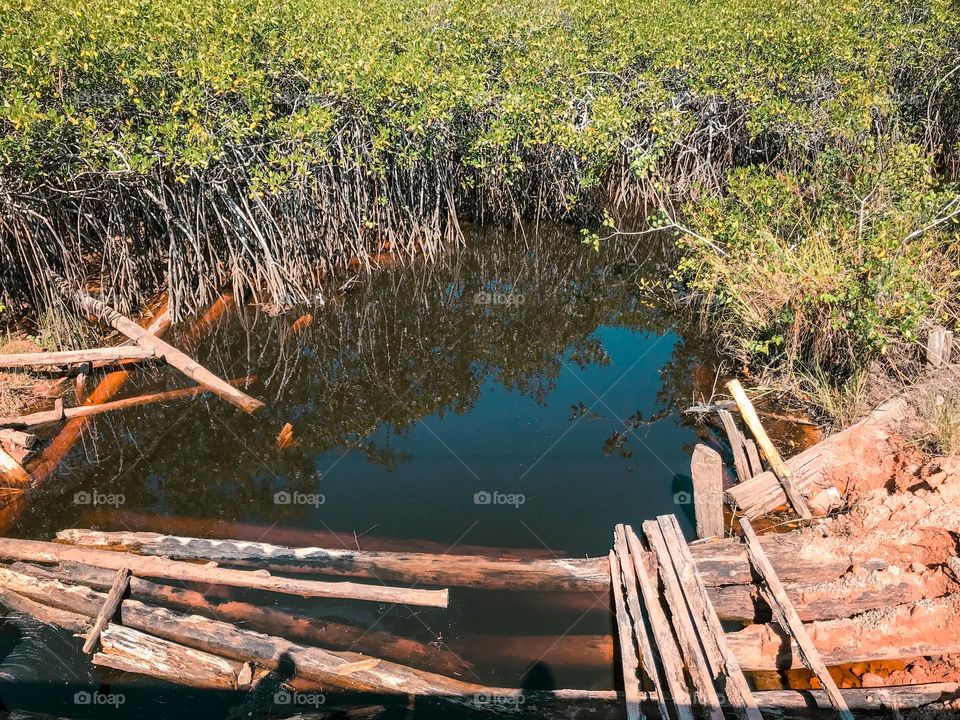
(517, 393)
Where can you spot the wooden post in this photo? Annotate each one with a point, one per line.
(666, 644)
(648, 660)
(737, 443)
(939, 347)
(780, 468)
(722, 661)
(787, 618)
(80, 388)
(628, 652)
(119, 588)
(693, 653)
(706, 468)
(183, 362)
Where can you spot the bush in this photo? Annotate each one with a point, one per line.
(827, 268)
(184, 141)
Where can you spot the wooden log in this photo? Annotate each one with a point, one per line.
(706, 469)
(780, 468)
(723, 663)
(118, 589)
(351, 671)
(170, 354)
(939, 347)
(738, 444)
(74, 622)
(666, 645)
(788, 619)
(134, 651)
(12, 472)
(46, 417)
(651, 664)
(628, 652)
(433, 569)
(17, 438)
(683, 626)
(76, 357)
(839, 453)
(296, 537)
(148, 566)
(311, 631)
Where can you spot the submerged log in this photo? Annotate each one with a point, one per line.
(296, 537)
(183, 362)
(76, 357)
(47, 417)
(311, 631)
(459, 571)
(144, 565)
(74, 622)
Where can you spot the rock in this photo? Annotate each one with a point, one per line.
(825, 501)
(871, 680)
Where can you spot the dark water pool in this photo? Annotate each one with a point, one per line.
(521, 392)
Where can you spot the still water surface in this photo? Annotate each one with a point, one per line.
(520, 392)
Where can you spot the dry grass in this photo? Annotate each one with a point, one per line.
(16, 388)
(939, 412)
(843, 404)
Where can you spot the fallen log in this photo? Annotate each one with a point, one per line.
(183, 362)
(133, 651)
(17, 438)
(47, 417)
(12, 472)
(38, 611)
(296, 537)
(311, 631)
(460, 571)
(76, 357)
(148, 566)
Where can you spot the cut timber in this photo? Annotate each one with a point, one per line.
(939, 347)
(45, 614)
(723, 663)
(628, 651)
(137, 652)
(706, 469)
(220, 638)
(654, 669)
(45, 552)
(433, 569)
(738, 445)
(666, 644)
(46, 417)
(12, 472)
(117, 590)
(780, 468)
(311, 631)
(788, 619)
(76, 357)
(18, 438)
(683, 626)
(174, 357)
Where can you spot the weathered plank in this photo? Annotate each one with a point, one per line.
(148, 566)
(628, 651)
(663, 636)
(117, 590)
(939, 347)
(706, 469)
(788, 619)
(780, 468)
(723, 663)
(180, 360)
(76, 357)
(683, 626)
(12, 472)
